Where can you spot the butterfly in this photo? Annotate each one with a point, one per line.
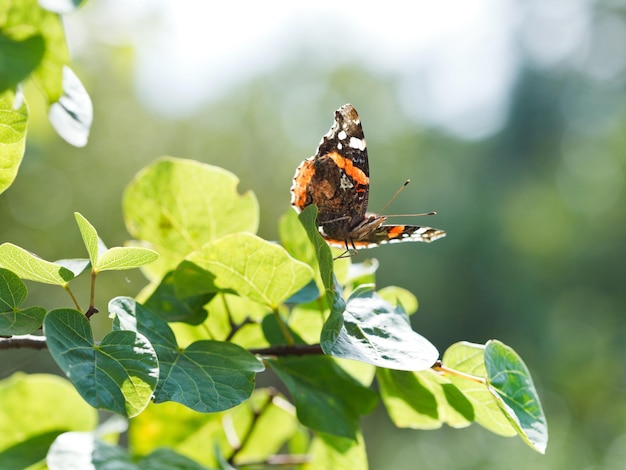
(336, 180)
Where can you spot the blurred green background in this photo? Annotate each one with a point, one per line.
(508, 117)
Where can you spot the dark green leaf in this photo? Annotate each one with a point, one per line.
(119, 374)
(20, 57)
(378, 333)
(13, 320)
(327, 399)
(207, 376)
(511, 382)
(167, 305)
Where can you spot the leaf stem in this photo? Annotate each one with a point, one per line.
(256, 414)
(446, 370)
(283, 327)
(92, 296)
(71, 294)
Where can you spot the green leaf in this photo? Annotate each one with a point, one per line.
(308, 218)
(74, 449)
(469, 358)
(95, 246)
(118, 375)
(13, 320)
(125, 257)
(378, 333)
(196, 435)
(13, 118)
(21, 54)
(72, 115)
(26, 435)
(171, 307)
(117, 258)
(206, 376)
(179, 205)
(400, 298)
(511, 382)
(253, 268)
(76, 265)
(423, 400)
(337, 453)
(24, 19)
(28, 266)
(327, 398)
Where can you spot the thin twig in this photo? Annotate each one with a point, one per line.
(256, 414)
(289, 350)
(25, 341)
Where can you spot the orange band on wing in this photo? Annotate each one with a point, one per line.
(395, 231)
(348, 167)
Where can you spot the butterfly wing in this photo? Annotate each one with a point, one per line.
(336, 178)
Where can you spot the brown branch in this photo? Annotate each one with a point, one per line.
(26, 341)
(289, 350)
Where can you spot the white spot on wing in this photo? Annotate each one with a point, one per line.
(358, 144)
(342, 135)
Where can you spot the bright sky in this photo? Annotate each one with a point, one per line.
(456, 61)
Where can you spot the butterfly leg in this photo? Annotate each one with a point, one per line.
(349, 253)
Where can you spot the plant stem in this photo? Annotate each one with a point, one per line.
(25, 341)
(69, 291)
(289, 350)
(256, 414)
(283, 328)
(92, 296)
(446, 370)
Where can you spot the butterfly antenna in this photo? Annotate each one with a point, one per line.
(382, 211)
(403, 215)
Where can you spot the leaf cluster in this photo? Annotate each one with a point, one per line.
(224, 305)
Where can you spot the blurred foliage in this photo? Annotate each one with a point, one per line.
(534, 214)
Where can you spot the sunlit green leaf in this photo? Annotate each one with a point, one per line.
(119, 374)
(423, 400)
(399, 297)
(125, 257)
(510, 380)
(469, 359)
(179, 205)
(26, 432)
(327, 398)
(378, 333)
(196, 434)
(253, 268)
(29, 266)
(337, 453)
(206, 376)
(12, 137)
(25, 19)
(94, 245)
